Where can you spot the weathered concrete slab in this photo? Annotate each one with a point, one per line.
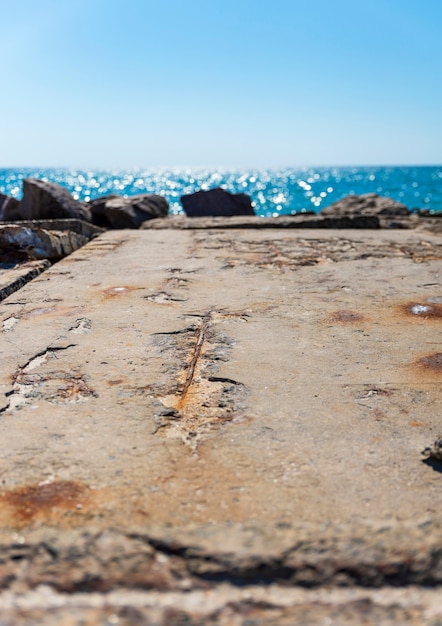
(243, 406)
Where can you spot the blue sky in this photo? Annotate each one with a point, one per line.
(235, 83)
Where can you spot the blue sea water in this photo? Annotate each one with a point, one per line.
(274, 192)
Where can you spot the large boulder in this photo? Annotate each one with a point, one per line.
(98, 207)
(119, 212)
(366, 204)
(43, 200)
(217, 203)
(9, 209)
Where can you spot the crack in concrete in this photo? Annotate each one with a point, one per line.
(39, 359)
(53, 386)
(9, 323)
(199, 400)
(200, 337)
(163, 297)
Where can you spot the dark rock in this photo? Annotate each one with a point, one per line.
(43, 200)
(217, 203)
(9, 209)
(97, 208)
(33, 241)
(428, 213)
(118, 212)
(366, 204)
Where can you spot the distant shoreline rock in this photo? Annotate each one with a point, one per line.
(217, 203)
(119, 212)
(9, 208)
(365, 204)
(43, 200)
(48, 201)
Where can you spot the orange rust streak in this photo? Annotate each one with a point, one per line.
(30, 500)
(347, 315)
(432, 362)
(201, 334)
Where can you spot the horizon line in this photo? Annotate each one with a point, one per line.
(213, 167)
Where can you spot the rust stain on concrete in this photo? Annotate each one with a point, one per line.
(31, 502)
(40, 311)
(432, 362)
(199, 340)
(416, 424)
(64, 311)
(197, 400)
(118, 290)
(423, 310)
(346, 316)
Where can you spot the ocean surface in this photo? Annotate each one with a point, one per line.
(274, 192)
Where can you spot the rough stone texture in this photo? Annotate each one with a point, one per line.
(203, 557)
(44, 200)
(21, 244)
(293, 221)
(79, 227)
(29, 241)
(249, 578)
(226, 606)
(224, 427)
(181, 222)
(429, 213)
(97, 207)
(119, 212)
(217, 202)
(366, 204)
(14, 276)
(9, 208)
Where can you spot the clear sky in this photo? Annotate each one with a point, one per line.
(240, 83)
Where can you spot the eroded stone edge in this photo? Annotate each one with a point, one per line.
(203, 557)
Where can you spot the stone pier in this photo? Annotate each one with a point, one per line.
(224, 426)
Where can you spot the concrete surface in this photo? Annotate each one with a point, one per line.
(188, 411)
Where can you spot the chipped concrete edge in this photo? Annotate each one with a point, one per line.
(203, 557)
(40, 242)
(27, 272)
(340, 222)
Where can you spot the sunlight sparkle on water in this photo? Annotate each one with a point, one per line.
(283, 191)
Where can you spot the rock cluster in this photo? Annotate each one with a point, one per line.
(43, 200)
(366, 204)
(119, 212)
